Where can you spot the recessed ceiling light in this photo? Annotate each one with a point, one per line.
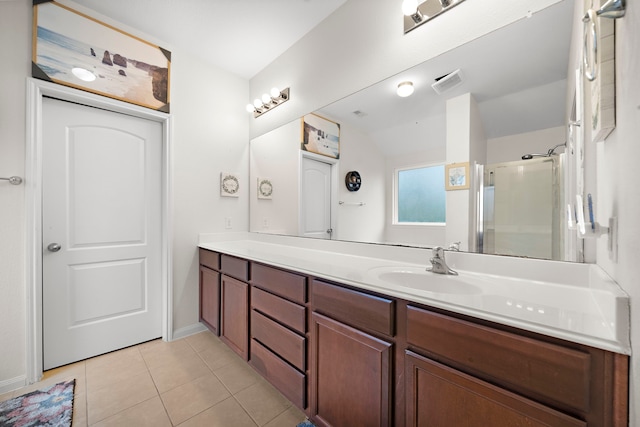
(83, 74)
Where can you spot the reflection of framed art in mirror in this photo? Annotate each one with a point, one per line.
(265, 188)
(456, 176)
(320, 136)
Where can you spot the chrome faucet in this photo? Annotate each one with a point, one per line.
(455, 246)
(438, 264)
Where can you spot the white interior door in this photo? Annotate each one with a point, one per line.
(101, 222)
(316, 199)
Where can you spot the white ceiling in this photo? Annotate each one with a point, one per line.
(240, 36)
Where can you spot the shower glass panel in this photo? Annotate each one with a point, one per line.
(521, 208)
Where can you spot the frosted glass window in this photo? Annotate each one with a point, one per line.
(421, 196)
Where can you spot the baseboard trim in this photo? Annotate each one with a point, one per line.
(188, 330)
(13, 384)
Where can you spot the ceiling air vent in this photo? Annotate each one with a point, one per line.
(447, 82)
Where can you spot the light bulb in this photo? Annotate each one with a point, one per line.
(409, 7)
(250, 108)
(83, 74)
(266, 99)
(405, 89)
(275, 92)
(257, 103)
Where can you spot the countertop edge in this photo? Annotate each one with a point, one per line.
(572, 336)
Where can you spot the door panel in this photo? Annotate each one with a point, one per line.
(113, 161)
(316, 199)
(101, 201)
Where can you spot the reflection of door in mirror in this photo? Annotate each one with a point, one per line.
(315, 209)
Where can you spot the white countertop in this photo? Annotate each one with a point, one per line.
(574, 302)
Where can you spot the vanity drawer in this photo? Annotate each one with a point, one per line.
(287, 285)
(535, 368)
(286, 312)
(210, 259)
(353, 307)
(283, 376)
(234, 267)
(282, 341)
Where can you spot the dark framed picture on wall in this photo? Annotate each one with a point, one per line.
(73, 49)
(320, 136)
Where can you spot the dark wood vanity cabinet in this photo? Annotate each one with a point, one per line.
(465, 373)
(279, 330)
(351, 357)
(347, 356)
(234, 313)
(234, 304)
(440, 396)
(210, 290)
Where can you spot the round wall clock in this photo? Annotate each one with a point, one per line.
(352, 180)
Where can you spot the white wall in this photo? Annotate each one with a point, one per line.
(361, 223)
(15, 49)
(617, 189)
(465, 143)
(513, 147)
(276, 156)
(209, 136)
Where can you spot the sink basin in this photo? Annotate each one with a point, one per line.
(420, 279)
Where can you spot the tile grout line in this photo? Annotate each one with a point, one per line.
(155, 385)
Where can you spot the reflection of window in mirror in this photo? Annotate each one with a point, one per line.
(420, 195)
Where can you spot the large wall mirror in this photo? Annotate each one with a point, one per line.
(515, 98)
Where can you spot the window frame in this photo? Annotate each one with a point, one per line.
(395, 183)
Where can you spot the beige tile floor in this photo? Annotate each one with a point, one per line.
(195, 381)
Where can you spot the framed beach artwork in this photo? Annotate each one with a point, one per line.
(456, 176)
(320, 136)
(73, 49)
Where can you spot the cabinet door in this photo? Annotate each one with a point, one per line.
(351, 376)
(439, 396)
(234, 327)
(210, 299)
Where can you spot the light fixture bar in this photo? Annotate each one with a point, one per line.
(417, 12)
(268, 102)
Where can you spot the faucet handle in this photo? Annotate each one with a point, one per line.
(438, 252)
(455, 246)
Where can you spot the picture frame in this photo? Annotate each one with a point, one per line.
(320, 136)
(456, 176)
(265, 189)
(229, 185)
(601, 91)
(76, 50)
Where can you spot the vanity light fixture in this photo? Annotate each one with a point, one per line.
(410, 8)
(405, 89)
(268, 101)
(417, 12)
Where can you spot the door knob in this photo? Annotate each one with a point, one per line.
(54, 247)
